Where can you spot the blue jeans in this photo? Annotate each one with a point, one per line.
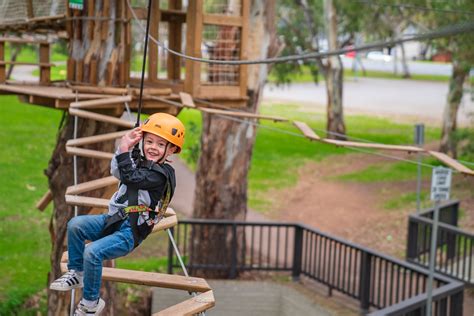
(89, 259)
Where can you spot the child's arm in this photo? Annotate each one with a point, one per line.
(127, 140)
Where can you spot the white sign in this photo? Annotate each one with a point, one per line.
(440, 184)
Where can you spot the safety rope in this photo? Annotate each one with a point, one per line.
(441, 32)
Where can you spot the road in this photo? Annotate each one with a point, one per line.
(411, 100)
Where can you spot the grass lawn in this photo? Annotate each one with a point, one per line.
(28, 137)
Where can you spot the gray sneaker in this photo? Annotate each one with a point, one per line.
(70, 280)
(82, 310)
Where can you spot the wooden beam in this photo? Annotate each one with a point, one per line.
(192, 306)
(45, 72)
(41, 64)
(102, 103)
(168, 281)
(451, 163)
(99, 90)
(23, 40)
(165, 223)
(44, 201)
(187, 100)
(306, 130)
(3, 76)
(91, 185)
(152, 91)
(101, 118)
(95, 139)
(89, 153)
(222, 19)
(372, 145)
(243, 114)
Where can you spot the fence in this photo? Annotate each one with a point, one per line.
(380, 283)
(454, 251)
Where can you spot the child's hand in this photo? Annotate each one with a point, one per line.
(130, 139)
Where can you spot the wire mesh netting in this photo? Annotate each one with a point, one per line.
(220, 43)
(229, 7)
(12, 11)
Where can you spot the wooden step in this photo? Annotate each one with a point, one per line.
(95, 139)
(91, 185)
(101, 118)
(451, 162)
(44, 201)
(306, 130)
(187, 100)
(243, 114)
(89, 153)
(102, 103)
(22, 63)
(86, 201)
(168, 281)
(192, 306)
(343, 143)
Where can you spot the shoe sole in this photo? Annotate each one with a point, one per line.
(51, 287)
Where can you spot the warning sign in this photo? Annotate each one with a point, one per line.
(440, 184)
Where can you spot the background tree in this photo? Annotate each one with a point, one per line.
(226, 149)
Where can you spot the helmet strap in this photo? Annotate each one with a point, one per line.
(163, 157)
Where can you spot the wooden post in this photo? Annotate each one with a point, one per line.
(174, 40)
(71, 67)
(193, 46)
(45, 69)
(243, 47)
(152, 47)
(2, 65)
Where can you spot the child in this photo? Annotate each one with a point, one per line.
(144, 192)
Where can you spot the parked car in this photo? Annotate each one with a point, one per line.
(377, 55)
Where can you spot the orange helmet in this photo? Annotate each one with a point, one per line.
(166, 126)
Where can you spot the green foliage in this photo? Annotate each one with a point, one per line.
(192, 146)
(28, 138)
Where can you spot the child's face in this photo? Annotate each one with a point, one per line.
(154, 147)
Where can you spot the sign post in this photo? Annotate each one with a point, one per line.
(419, 141)
(440, 189)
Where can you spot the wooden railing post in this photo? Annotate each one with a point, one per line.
(45, 68)
(3, 76)
(364, 281)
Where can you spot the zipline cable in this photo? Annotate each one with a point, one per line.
(441, 32)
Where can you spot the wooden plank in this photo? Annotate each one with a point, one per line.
(244, 38)
(91, 185)
(243, 114)
(71, 67)
(451, 162)
(89, 153)
(102, 103)
(306, 130)
(174, 15)
(22, 40)
(193, 46)
(176, 19)
(152, 46)
(29, 9)
(101, 118)
(152, 91)
(86, 201)
(45, 72)
(79, 70)
(168, 281)
(165, 223)
(100, 90)
(44, 201)
(105, 23)
(41, 64)
(187, 100)
(93, 71)
(192, 306)
(3, 76)
(222, 19)
(372, 145)
(95, 139)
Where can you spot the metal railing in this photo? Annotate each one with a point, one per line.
(454, 251)
(386, 285)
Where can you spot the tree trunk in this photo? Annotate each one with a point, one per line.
(226, 150)
(456, 82)
(405, 70)
(334, 80)
(87, 46)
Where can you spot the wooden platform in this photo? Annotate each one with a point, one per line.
(62, 97)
